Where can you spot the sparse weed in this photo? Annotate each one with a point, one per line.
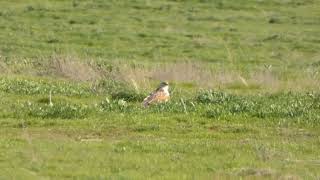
(117, 105)
(179, 106)
(34, 87)
(128, 95)
(62, 110)
(119, 90)
(123, 98)
(282, 105)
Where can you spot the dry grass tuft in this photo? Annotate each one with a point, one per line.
(197, 74)
(289, 177)
(3, 68)
(73, 68)
(186, 73)
(141, 77)
(255, 172)
(265, 79)
(190, 72)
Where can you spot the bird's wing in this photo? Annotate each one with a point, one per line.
(154, 96)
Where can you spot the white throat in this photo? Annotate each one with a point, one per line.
(166, 90)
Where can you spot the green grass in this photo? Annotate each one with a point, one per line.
(155, 146)
(207, 135)
(238, 36)
(244, 79)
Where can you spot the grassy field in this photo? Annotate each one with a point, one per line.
(244, 78)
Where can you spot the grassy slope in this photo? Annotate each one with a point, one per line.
(164, 30)
(156, 146)
(160, 142)
(212, 137)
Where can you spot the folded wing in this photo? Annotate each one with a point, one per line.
(156, 96)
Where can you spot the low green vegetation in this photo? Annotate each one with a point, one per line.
(272, 45)
(244, 84)
(216, 134)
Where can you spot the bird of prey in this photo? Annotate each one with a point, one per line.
(161, 94)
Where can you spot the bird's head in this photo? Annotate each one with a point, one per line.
(163, 84)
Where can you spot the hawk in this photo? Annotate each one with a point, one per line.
(161, 94)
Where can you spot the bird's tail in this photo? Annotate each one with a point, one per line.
(145, 103)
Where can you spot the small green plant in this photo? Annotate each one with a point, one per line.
(61, 110)
(180, 106)
(212, 97)
(282, 105)
(128, 95)
(119, 105)
(33, 87)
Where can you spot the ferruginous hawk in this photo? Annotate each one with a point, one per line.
(161, 94)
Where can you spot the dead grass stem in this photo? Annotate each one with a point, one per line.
(73, 68)
(189, 73)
